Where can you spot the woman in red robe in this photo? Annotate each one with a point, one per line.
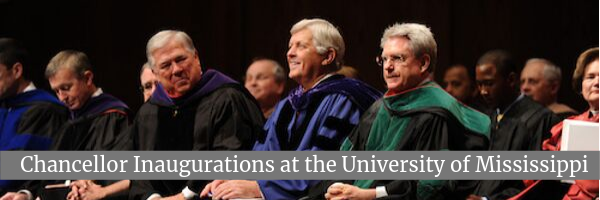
(585, 79)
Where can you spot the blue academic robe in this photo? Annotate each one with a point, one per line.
(318, 119)
(29, 121)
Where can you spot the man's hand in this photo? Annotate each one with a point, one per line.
(237, 189)
(340, 191)
(211, 187)
(92, 192)
(14, 196)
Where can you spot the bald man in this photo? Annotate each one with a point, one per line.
(540, 80)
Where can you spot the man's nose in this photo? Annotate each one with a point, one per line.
(177, 69)
(483, 91)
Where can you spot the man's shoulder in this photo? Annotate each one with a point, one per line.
(46, 108)
(228, 92)
(528, 109)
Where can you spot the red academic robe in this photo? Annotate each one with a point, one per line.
(582, 189)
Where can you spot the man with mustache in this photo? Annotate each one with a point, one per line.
(315, 116)
(414, 114)
(518, 122)
(190, 109)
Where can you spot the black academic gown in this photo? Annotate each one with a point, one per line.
(29, 121)
(524, 126)
(218, 114)
(101, 124)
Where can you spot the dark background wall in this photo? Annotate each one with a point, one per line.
(229, 33)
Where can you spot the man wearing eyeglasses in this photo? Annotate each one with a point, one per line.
(147, 81)
(414, 114)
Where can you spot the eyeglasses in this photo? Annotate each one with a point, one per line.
(396, 60)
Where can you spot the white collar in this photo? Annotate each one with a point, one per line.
(322, 79)
(30, 87)
(98, 92)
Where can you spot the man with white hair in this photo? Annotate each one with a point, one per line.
(540, 80)
(190, 109)
(414, 114)
(317, 115)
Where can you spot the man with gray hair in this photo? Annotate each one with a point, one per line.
(540, 80)
(414, 114)
(317, 115)
(265, 79)
(190, 109)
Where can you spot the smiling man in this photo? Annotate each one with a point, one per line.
(317, 115)
(414, 114)
(190, 110)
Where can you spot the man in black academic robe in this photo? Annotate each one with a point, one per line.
(518, 122)
(190, 110)
(99, 121)
(30, 118)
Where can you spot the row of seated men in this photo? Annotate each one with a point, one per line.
(192, 108)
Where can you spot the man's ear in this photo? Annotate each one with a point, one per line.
(17, 70)
(88, 76)
(329, 57)
(512, 80)
(554, 87)
(426, 61)
(280, 88)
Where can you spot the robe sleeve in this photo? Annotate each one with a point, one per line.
(235, 123)
(111, 131)
(333, 110)
(434, 132)
(38, 128)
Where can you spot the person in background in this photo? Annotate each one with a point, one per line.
(585, 81)
(147, 81)
(265, 79)
(349, 72)
(518, 122)
(459, 83)
(540, 80)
